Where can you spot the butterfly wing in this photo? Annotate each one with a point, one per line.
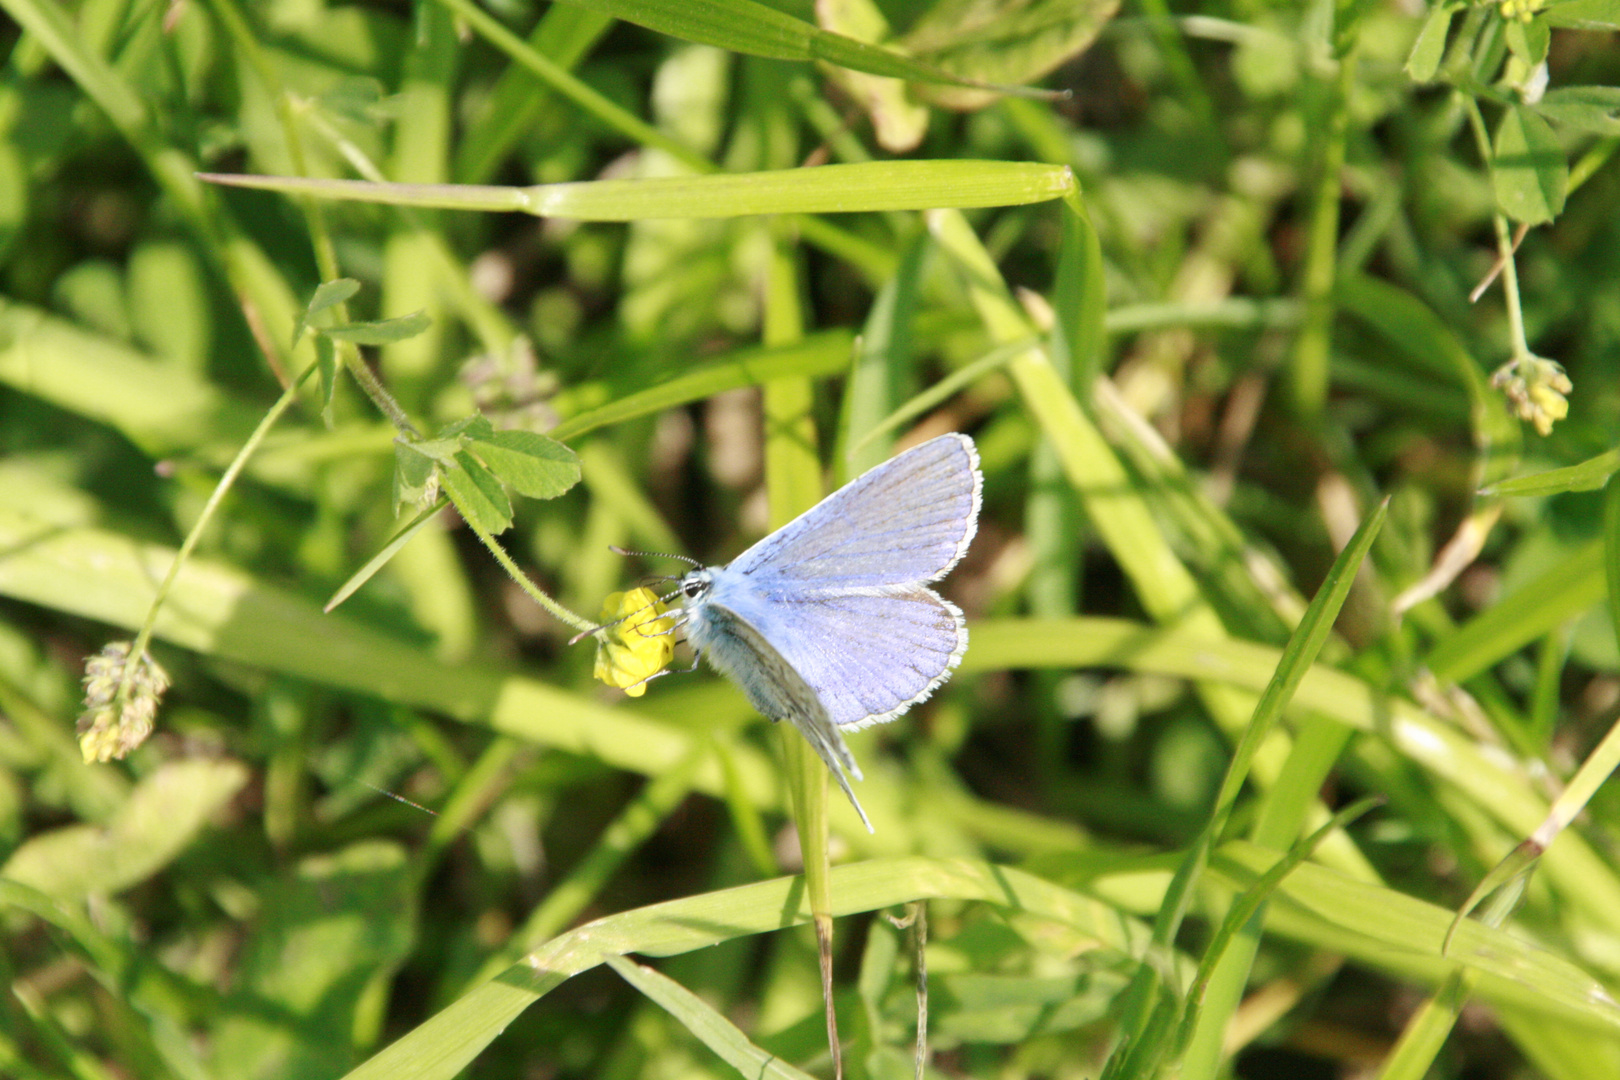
(769, 681)
(906, 521)
(828, 622)
(867, 656)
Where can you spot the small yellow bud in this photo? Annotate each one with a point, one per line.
(1536, 388)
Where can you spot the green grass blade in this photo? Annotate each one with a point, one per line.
(701, 1019)
(1556, 596)
(882, 367)
(829, 189)
(1588, 475)
(439, 1048)
(758, 30)
(1402, 934)
(563, 35)
(815, 356)
(1146, 996)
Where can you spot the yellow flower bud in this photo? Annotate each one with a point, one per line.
(638, 644)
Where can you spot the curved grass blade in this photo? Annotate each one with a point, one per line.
(702, 1020)
(439, 1048)
(1146, 1004)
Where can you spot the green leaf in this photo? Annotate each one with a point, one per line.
(475, 426)
(478, 495)
(413, 471)
(532, 464)
(1423, 63)
(1588, 475)
(1584, 14)
(1528, 168)
(1003, 42)
(328, 294)
(381, 332)
(332, 293)
(1584, 108)
(163, 815)
(1528, 40)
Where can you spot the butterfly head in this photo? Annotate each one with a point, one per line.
(695, 584)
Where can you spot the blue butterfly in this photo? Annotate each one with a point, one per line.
(829, 621)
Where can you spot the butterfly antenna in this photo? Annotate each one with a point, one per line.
(617, 550)
(583, 634)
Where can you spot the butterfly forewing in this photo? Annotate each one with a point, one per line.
(906, 521)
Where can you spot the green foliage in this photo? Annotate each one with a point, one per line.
(400, 307)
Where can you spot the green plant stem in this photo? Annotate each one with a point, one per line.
(374, 390)
(226, 481)
(1314, 344)
(320, 236)
(236, 24)
(1510, 287)
(1504, 240)
(515, 572)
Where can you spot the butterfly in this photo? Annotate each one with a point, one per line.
(828, 622)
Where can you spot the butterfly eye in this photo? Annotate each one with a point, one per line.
(694, 586)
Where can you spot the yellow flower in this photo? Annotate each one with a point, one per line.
(638, 644)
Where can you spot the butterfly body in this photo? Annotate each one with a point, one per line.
(829, 622)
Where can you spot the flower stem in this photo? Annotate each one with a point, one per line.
(516, 573)
(226, 482)
(1504, 240)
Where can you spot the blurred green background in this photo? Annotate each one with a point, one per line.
(1191, 372)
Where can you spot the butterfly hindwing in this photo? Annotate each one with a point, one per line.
(773, 687)
(867, 656)
(906, 521)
